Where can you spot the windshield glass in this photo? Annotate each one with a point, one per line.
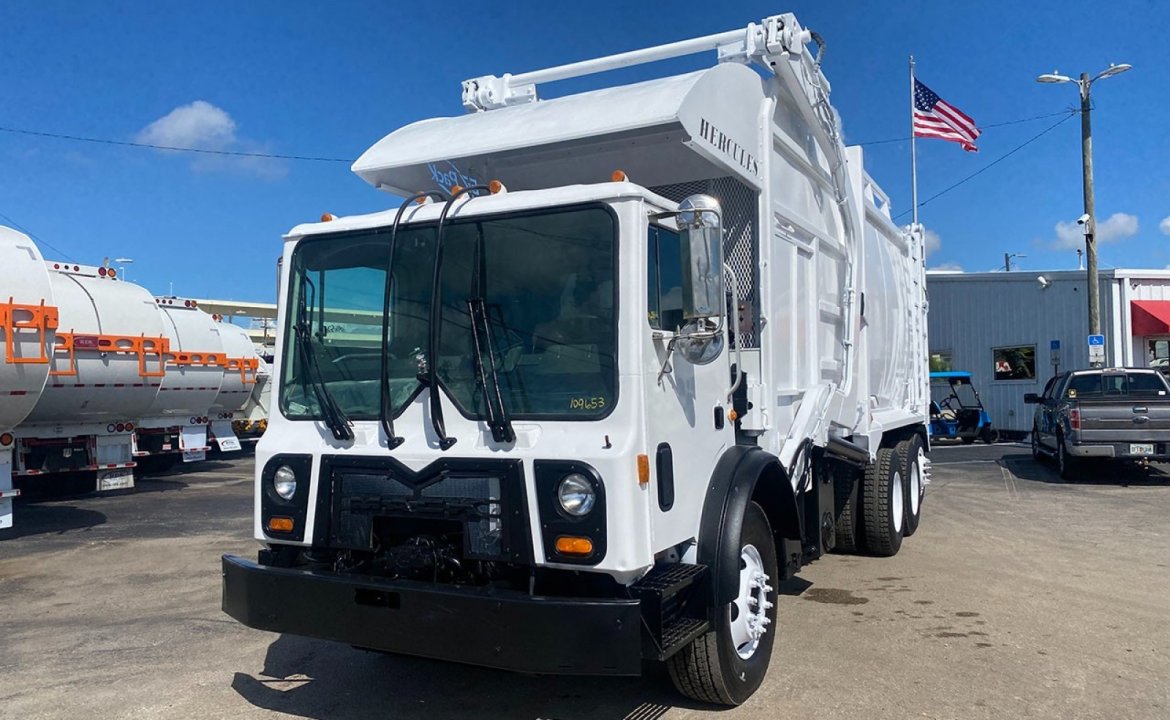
(965, 392)
(546, 285)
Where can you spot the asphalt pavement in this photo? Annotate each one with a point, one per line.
(1020, 596)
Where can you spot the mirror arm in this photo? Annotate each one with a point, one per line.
(735, 329)
(666, 369)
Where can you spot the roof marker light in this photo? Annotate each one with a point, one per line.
(102, 271)
(456, 189)
(328, 217)
(495, 187)
(619, 176)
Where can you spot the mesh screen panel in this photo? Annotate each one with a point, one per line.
(741, 239)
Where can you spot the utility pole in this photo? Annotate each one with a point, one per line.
(1007, 260)
(1091, 222)
(1084, 83)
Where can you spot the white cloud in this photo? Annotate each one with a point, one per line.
(950, 267)
(203, 126)
(198, 125)
(1164, 226)
(933, 242)
(1070, 235)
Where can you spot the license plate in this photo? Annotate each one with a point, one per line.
(1141, 449)
(194, 455)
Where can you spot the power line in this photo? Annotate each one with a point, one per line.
(993, 163)
(127, 143)
(983, 127)
(26, 231)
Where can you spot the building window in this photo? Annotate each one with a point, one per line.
(941, 361)
(1015, 363)
(1158, 354)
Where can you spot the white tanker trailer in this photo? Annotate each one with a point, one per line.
(99, 376)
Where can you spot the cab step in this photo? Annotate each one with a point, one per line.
(672, 611)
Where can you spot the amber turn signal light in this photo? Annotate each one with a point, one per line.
(280, 524)
(568, 545)
(643, 468)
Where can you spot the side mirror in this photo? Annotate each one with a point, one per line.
(1031, 399)
(704, 303)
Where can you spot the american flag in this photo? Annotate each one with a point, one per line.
(935, 118)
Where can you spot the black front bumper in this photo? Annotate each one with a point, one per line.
(500, 629)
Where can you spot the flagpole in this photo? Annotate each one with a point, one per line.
(913, 148)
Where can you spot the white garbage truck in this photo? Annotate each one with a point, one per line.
(619, 363)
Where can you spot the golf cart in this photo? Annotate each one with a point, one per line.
(956, 412)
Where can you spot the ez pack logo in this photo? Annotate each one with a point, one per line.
(446, 178)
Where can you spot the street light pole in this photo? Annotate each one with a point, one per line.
(1085, 83)
(1091, 222)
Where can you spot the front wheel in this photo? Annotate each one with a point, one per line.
(727, 664)
(1037, 453)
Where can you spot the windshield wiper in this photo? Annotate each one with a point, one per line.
(497, 413)
(385, 412)
(331, 412)
(430, 378)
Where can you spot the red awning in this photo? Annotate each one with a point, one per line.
(1150, 317)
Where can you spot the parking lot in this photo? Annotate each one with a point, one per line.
(1020, 596)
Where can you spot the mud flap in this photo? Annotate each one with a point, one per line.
(223, 436)
(193, 443)
(6, 491)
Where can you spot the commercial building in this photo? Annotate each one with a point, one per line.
(1016, 330)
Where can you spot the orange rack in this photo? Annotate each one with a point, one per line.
(15, 317)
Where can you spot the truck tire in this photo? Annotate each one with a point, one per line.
(883, 503)
(1037, 453)
(914, 490)
(727, 664)
(846, 513)
(1068, 466)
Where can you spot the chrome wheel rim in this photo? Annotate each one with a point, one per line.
(749, 612)
(916, 485)
(899, 508)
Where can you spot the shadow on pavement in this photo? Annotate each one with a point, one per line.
(317, 679)
(50, 520)
(1025, 467)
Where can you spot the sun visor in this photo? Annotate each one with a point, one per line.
(679, 129)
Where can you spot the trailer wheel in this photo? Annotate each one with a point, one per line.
(883, 502)
(1068, 466)
(727, 664)
(847, 514)
(914, 456)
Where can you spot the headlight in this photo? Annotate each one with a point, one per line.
(284, 481)
(576, 494)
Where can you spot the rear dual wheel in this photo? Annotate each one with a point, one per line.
(883, 502)
(914, 456)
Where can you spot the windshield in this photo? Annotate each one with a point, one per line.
(543, 280)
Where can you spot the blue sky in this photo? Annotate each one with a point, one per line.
(301, 78)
